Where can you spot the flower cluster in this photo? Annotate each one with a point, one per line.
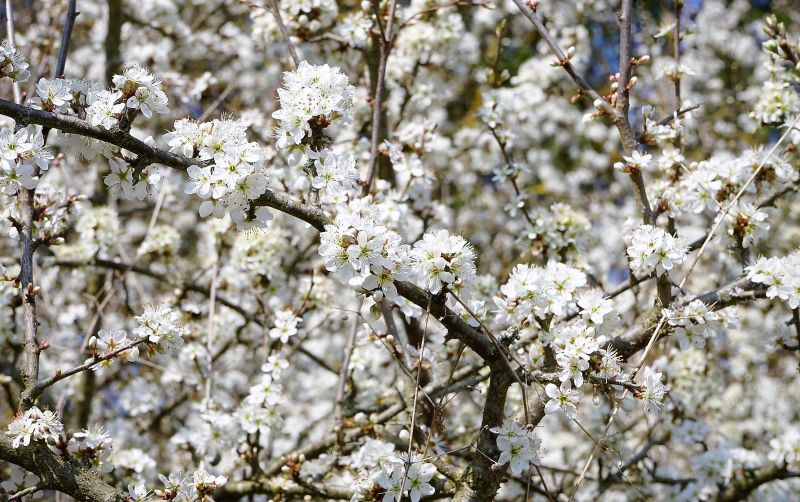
(445, 261)
(312, 98)
(232, 173)
(21, 153)
(537, 292)
(558, 232)
(107, 342)
(160, 325)
(197, 487)
(98, 229)
(653, 390)
(693, 324)
(131, 183)
(574, 345)
(709, 184)
(653, 249)
(780, 275)
(34, 424)
(518, 447)
(164, 240)
(365, 253)
(786, 449)
(140, 90)
(93, 447)
(285, 325)
(746, 224)
(337, 173)
(205, 483)
(12, 64)
(258, 412)
(413, 480)
(777, 99)
(597, 310)
(104, 108)
(53, 95)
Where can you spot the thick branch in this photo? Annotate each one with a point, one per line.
(738, 291)
(741, 488)
(57, 473)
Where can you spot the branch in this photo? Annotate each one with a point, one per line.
(25, 492)
(740, 489)
(278, 487)
(485, 480)
(26, 115)
(625, 42)
(141, 270)
(540, 377)
(619, 116)
(43, 384)
(563, 61)
(314, 216)
(618, 473)
(58, 473)
(69, 23)
(385, 41)
(738, 291)
(276, 11)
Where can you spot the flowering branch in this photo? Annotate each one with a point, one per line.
(563, 60)
(60, 375)
(618, 115)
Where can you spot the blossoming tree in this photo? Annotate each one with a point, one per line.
(400, 250)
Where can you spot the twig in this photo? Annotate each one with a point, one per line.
(25, 492)
(209, 356)
(563, 61)
(618, 115)
(343, 371)
(385, 41)
(720, 217)
(60, 375)
(69, 23)
(276, 11)
(10, 36)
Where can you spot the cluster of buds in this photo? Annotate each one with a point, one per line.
(780, 46)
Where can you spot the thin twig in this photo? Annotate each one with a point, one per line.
(25, 492)
(721, 216)
(10, 37)
(343, 372)
(385, 41)
(276, 11)
(563, 61)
